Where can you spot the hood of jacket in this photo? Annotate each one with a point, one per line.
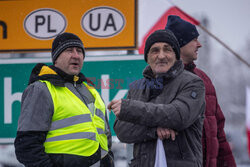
(54, 75)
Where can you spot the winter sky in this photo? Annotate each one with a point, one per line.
(229, 19)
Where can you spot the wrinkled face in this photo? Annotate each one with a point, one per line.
(161, 57)
(189, 51)
(70, 60)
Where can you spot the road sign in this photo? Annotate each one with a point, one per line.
(32, 25)
(110, 74)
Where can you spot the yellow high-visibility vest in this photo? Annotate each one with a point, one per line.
(74, 129)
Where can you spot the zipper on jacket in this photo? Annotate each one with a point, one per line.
(82, 98)
(180, 149)
(75, 79)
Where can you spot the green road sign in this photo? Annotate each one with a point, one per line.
(110, 74)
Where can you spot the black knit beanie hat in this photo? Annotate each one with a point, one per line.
(183, 30)
(162, 36)
(64, 41)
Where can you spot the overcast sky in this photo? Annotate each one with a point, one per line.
(229, 19)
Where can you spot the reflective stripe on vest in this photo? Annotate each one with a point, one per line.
(72, 121)
(74, 130)
(79, 135)
(99, 117)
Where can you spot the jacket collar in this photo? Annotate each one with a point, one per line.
(54, 75)
(190, 67)
(174, 71)
(156, 85)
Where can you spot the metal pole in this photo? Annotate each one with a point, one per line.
(223, 44)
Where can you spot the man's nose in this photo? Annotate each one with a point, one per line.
(75, 54)
(199, 44)
(161, 54)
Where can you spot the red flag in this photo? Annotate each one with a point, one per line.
(161, 23)
(248, 117)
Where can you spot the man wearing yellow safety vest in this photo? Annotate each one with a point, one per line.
(63, 120)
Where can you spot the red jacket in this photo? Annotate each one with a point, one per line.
(216, 150)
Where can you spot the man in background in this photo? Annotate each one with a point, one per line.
(216, 150)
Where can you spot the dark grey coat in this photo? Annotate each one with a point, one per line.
(174, 100)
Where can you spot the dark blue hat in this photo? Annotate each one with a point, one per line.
(183, 30)
(64, 41)
(162, 36)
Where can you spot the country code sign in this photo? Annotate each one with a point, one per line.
(27, 25)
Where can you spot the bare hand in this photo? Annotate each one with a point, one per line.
(165, 133)
(115, 105)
